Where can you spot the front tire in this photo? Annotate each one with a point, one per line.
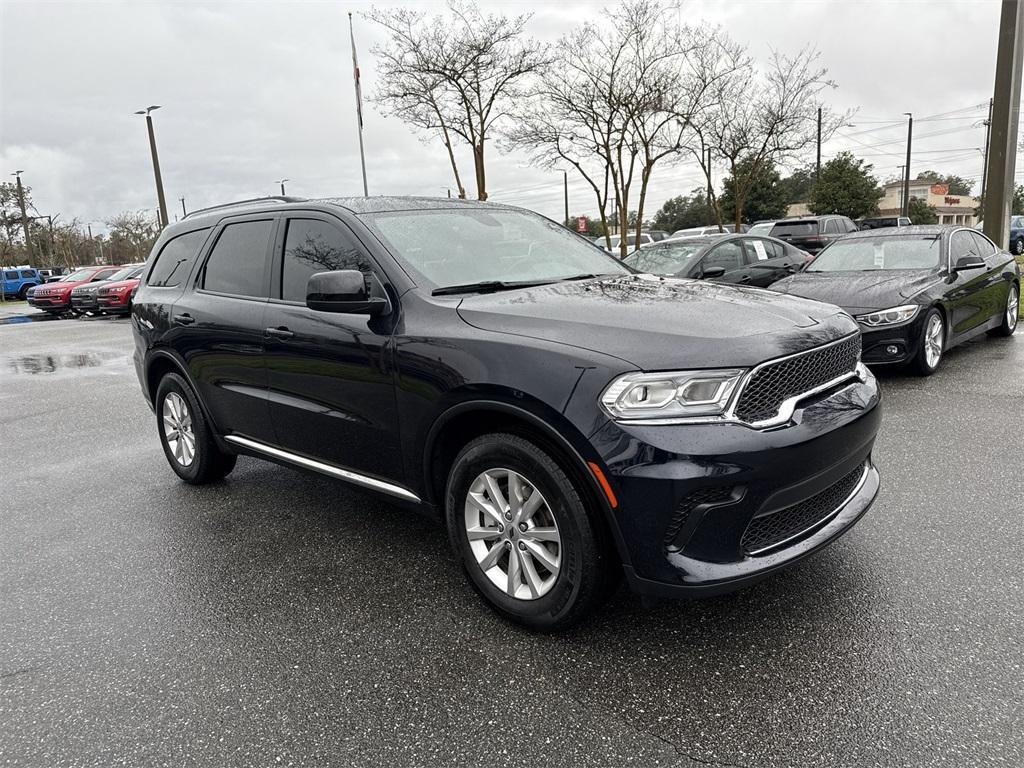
(1018, 246)
(524, 534)
(186, 436)
(931, 344)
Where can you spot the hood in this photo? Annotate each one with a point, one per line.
(131, 282)
(859, 292)
(661, 323)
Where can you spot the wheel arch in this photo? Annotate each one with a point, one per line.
(159, 363)
(468, 420)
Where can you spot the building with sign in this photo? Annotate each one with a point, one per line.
(951, 209)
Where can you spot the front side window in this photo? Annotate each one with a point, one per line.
(871, 253)
(960, 245)
(238, 261)
(313, 246)
(455, 247)
(175, 259)
(728, 256)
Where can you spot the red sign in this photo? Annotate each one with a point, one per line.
(952, 200)
(581, 223)
(939, 189)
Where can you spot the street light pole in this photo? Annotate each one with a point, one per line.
(156, 163)
(24, 216)
(281, 182)
(184, 213)
(817, 167)
(565, 183)
(906, 171)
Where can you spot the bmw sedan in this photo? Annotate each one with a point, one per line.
(915, 291)
(743, 259)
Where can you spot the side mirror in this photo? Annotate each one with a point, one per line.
(965, 263)
(709, 272)
(345, 291)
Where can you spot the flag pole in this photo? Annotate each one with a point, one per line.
(359, 102)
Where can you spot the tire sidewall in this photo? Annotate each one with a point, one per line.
(503, 451)
(1008, 328)
(172, 382)
(1018, 246)
(922, 358)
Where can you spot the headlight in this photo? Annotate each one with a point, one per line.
(889, 316)
(673, 394)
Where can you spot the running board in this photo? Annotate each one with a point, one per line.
(326, 469)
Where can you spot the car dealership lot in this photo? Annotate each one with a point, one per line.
(283, 619)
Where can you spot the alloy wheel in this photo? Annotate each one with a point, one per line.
(1012, 307)
(513, 534)
(178, 431)
(933, 337)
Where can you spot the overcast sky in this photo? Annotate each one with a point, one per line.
(253, 92)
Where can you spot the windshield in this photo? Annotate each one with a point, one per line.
(664, 259)
(82, 274)
(451, 247)
(870, 253)
(123, 274)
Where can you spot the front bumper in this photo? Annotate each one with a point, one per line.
(113, 303)
(699, 504)
(85, 302)
(895, 344)
(50, 303)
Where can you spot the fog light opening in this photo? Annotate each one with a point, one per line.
(892, 349)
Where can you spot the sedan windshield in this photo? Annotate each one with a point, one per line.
(665, 259)
(869, 253)
(456, 247)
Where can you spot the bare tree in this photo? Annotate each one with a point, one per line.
(454, 75)
(131, 236)
(770, 115)
(618, 100)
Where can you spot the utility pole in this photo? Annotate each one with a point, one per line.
(1001, 163)
(906, 170)
(184, 213)
(817, 171)
(162, 219)
(988, 139)
(24, 216)
(565, 181)
(281, 182)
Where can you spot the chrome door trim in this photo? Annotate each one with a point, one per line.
(326, 469)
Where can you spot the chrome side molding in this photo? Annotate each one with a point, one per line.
(327, 469)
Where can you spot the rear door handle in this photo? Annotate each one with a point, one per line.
(185, 319)
(279, 333)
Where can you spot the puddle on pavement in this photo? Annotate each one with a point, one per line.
(43, 364)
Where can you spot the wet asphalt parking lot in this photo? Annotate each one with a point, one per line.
(281, 619)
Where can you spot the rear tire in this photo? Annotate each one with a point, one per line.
(1010, 314)
(186, 436)
(931, 345)
(544, 561)
(1018, 246)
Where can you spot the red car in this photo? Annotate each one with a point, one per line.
(115, 298)
(55, 297)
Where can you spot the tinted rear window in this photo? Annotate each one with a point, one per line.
(795, 228)
(175, 259)
(238, 261)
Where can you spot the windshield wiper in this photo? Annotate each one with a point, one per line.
(487, 286)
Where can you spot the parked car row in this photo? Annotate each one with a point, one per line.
(107, 289)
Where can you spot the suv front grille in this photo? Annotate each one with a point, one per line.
(768, 531)
(773, 383)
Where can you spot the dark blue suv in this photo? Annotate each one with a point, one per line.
(567, 419)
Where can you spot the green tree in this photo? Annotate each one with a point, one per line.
(1016, 205)
(683, 212)
(921, 212)
(845, 186)
(958, 185)
(764, 196)
(796, 187)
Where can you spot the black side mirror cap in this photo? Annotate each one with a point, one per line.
(710, 272)
(345, 291)
(965, 263)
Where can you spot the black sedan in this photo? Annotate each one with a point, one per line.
(727, 258)
(916, 291)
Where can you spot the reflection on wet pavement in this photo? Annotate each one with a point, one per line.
(42, 364)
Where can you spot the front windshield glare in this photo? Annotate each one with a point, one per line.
(879, 253)
(451, 247)
(663, 259)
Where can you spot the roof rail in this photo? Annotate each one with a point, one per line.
(243, 203)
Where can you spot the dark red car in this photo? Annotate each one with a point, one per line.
(115, 298)
(55, 298)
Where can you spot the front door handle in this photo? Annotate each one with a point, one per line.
(279, 333)
(185, 319)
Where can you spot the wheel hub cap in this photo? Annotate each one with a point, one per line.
(178, 431)
(523, 558)
(1012, 307)
(933, 341)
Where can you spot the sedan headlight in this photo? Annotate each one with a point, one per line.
(892, 316)
(672, 394)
